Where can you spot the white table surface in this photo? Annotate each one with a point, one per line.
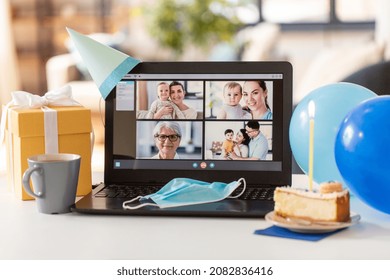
(26, 234)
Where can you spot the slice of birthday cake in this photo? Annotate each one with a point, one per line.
(329, 204)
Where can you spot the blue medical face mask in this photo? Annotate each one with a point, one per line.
(183, 191)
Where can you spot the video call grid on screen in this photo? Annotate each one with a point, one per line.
(202, 130)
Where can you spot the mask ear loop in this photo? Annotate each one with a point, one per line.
(243, 189)
(125, 206)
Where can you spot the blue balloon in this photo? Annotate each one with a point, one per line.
(332, 103)
(362, 152)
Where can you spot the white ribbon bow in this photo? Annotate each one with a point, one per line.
(58, 97)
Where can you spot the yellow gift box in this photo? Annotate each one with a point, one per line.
(25, 137)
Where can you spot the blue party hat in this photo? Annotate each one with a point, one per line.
(106, 65)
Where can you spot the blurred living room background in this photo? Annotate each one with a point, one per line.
(325, 40)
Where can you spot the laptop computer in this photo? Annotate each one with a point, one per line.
(134, 160)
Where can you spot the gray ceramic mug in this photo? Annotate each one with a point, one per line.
(54, 178)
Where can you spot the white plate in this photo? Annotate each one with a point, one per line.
(304, 226)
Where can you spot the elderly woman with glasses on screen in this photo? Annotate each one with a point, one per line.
(167, 136)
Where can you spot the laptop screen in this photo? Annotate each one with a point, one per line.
(210, 121)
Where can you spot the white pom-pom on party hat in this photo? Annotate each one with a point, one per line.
(106, 65)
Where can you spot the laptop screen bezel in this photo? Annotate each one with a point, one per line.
(275, 178)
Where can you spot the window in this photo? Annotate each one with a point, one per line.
(355, 10)
(294, 11)
(301, 14)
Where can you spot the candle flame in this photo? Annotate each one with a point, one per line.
(312, 109)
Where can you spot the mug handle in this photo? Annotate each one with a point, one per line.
(26, 180)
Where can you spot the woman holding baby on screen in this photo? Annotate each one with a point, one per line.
(170, 103)
(254, 95)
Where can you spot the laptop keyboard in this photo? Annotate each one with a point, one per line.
(126, 192)
(255, 193)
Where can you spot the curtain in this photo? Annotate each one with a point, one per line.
(9, 74)
(382, 25)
